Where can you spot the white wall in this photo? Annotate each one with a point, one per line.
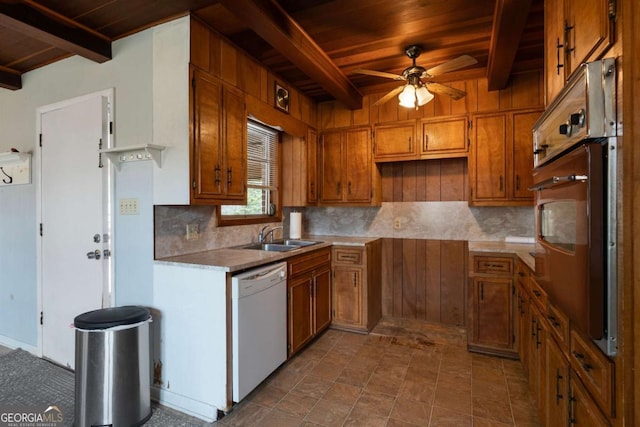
(131, 72)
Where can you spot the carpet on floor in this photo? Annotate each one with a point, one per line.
(28, 380)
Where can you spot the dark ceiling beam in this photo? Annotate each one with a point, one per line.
(10, 79)
(277, 28)
(49, 27)
(509, 20)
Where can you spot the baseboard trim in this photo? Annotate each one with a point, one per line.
(13, 344)
(204, 411)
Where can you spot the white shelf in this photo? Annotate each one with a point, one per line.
(134, 153)
(12, 158)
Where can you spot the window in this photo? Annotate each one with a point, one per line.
(263, 180)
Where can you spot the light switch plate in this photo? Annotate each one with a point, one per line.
(129, 207)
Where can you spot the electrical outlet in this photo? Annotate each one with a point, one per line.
(129, 207)
(397, 223)
(193, 231)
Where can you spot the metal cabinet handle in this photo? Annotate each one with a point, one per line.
(481, 291)
(355, 280)
(349, 187)
(410, 145)
(217, 174)
(229, 176)
(558, 394)
(426, 142)
(313, 188)
(558, 47)
(518, 182)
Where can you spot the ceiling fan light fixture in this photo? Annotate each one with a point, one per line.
(423, 96)
(407, 97)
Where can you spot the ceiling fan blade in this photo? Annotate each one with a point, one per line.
(388, 96)
(454, 64)
(445, 90)
(379, 74)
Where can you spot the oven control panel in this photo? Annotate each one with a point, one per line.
(583, 110)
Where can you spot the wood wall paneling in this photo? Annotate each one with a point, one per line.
(424, 279)
(525, 90)
(424, 180)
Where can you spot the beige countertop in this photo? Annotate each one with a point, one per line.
(522, 250)
(237, 259)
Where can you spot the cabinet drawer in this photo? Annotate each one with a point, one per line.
(595, 370)
(559, 323)
(493, 265)
(538, 295)
(522, 273)
(307, 262)
(348, 256)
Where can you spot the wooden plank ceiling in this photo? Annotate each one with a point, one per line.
(314, 45)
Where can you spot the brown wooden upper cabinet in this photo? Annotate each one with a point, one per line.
(501, 158)
(347, 174)
(426, 139)
(395, 142)
(300, 169)
(575, 32)
(218, 155)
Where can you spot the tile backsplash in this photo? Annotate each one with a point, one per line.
(418, 220)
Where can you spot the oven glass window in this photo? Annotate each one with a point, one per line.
(558, 224)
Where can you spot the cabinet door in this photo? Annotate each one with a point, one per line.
(492, 312)
(588, 30)
(207, 153)
(235, 141)
(523, 154)
(300, 312)
(583, 410)
(557, 380)
(537, 378)
(395, 142)
(524, 327)
(554, 52)
(357, 154)
(331, 167)
(347, 296)
(444, 138)
(489, 163)
(322, 299)
(312, 167)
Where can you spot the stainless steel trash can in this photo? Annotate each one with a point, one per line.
(112, 367)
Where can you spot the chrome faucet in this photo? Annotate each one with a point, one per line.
(263, 235)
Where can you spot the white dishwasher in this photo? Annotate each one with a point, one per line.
(259, 331)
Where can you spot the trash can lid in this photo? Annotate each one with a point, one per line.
(110, 317)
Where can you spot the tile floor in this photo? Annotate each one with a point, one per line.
(405, 373)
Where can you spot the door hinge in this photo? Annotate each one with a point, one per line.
(41, 318)
(40, 140)
(193, 82)
(110, 128)
(40, 229)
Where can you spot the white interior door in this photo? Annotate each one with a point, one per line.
(75, 223)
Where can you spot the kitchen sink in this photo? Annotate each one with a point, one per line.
(280, 245)
(271, 247)
(295, 242)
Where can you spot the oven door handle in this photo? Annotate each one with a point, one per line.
(557, 180)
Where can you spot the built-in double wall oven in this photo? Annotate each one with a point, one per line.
(575, 183)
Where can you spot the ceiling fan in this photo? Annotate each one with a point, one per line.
(417, 92)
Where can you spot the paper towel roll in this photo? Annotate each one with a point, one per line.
(295, 225)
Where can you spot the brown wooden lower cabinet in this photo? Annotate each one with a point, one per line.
(308, 297)
(565, 392)
(491, 304)
(357, 291)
